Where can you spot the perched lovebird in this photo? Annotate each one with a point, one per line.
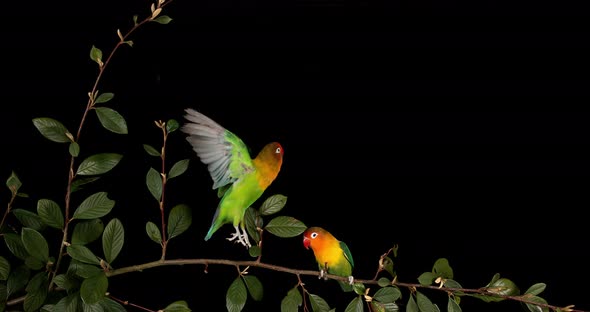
(332, 255)
(239, 179)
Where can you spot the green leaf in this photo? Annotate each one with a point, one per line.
(384, 307)
(13, 183)
(318, 304)
(111, 120)
(253, 220)
(162, 19)
(356, 305)
(426, 278)
(292, 301)
(98, 163)
(74, 149)
(36, 292)
(254, 287)
(235, 298)
(79, 182)
(453, 306)
(96, 54)
(70, 303)
(177, 306)
(494, 279)
(254, 251)
(273, 204)
(50, 213)
(110, 305)
(424, 303)
(35, 244)
(387, 294)
(504, 286)
(153, 232)
(359, 288)
(82, 254)
(172, 125)
(153, 181)
(87, 231)
(383, 281)
(83, 270)
(94, 288)
(178, 168)
(104, 97)
(442, 268)
(452, 284)
(17, 279)
(4, 268)
(29, 219)
(112, 239)
(283, 226)
(15, 245)
(34, 263)
(179, 220)
(151, 151)
(66, 281)
(535, 307)
(412, 306)
(388, 265)
(3, 296)
(536, 289)
(94, 206)
(52, 129)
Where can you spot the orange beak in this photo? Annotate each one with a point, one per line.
(306, 242)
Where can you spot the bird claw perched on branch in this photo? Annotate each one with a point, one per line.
(242, 237)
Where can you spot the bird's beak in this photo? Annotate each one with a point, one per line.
(306, 242)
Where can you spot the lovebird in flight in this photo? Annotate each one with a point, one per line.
(239, 179)
(332, 255)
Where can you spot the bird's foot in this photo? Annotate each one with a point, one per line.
(323, 275)
(242, 238)
(350, 280)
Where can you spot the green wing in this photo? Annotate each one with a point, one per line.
(347, 253)
(224, 153)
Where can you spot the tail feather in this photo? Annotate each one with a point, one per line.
(215, 225)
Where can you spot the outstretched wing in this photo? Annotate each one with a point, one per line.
(347, 253)
(224, 153)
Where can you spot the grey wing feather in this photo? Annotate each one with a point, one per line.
(209, 142)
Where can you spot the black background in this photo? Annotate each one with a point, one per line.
(453, 129)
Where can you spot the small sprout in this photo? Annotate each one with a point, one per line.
(119, 34)
(366, 295)
(156, 13)
(569, 308)
(441, 281)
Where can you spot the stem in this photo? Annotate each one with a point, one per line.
(163, 174)
(89, 106)
(9, 206)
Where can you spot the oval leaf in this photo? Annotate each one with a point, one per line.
(110, 305)
(112, 240)
(83, 270)
(50, 213)
(4, 268)
(412, 306)
(35, 244)
(424, 304)
(254, 251)
(98, 163)
(235, 298)
(153, 181)
(273, 204)
(153, 232)
(177, 306)
(179, 220)
(426, 278)
(536, 305)
(504, 286)
(74, 149)
(70, 303)
(13, 183)
(253, 220)
(453, 306)
(163, 19)
(15, 245)
(29, 219)
(292, 301)
(178, 168)
(356, 305)
(87, 231)
(52, 129)
(283, 226)
(172, 125)
(80, 182)
(111, 120)
(318, 304)
(36, 292)
(442, 268)
(66, 281)
(104, 97)
(254, 287)
(387, 294)
(536, 289)
(151, 151)
(94, 206)
(17, 280)
(93, 289)
(96, 55)
(82, 254)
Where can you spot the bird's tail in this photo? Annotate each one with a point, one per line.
(215, 225)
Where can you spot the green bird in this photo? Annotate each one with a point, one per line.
(239, 179)
(332, 255)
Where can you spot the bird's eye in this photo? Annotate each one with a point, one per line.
(314, 235)
(278, 150)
